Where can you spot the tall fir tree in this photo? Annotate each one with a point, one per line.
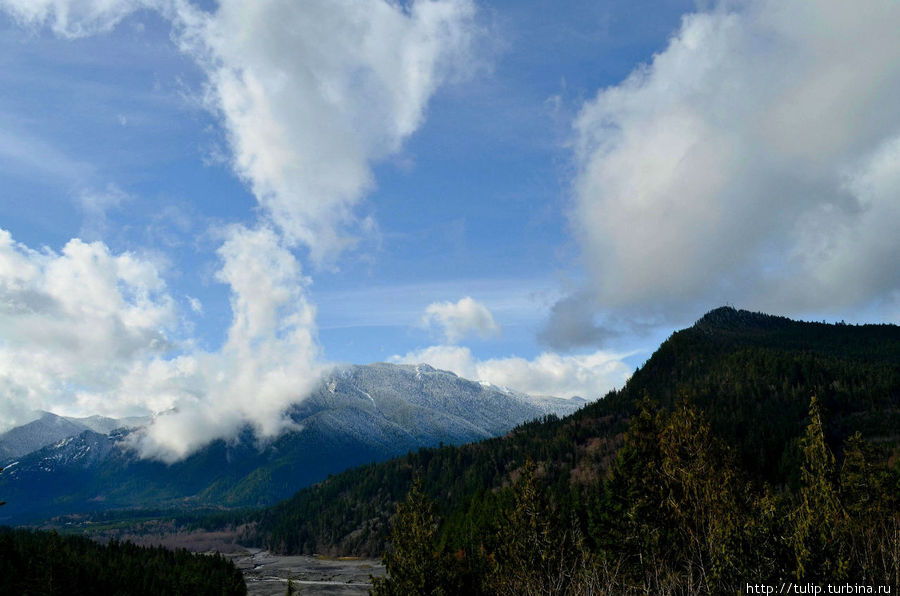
(414, 564)
(818, 517)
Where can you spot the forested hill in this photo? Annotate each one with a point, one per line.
(750, 375)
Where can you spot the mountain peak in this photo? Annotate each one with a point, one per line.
(728, 317)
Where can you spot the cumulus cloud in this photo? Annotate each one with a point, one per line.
(74, 321)
(754, 160)
(311, 93)
(590, 375)
(269, 361)
(87, 331)
(458, 320)
(572, 323)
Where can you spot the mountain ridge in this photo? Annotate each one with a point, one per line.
(358, 414)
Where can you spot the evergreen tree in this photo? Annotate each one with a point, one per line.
(677, 508)
(818, 516)
(871, 529)
(413, 564)
(529, 558)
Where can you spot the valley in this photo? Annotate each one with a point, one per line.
(746, 415)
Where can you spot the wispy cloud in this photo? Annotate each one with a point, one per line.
(96, 204)
(24, 154)
(74, 18)
(590, 376)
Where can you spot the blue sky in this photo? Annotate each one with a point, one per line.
(474, 203)
(534, 193)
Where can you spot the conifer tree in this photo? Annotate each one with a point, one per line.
(871, 529)
(527, 560)
(817, 516)
(677, 505)
(413, 564)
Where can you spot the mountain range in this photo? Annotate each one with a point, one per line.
(358, 414)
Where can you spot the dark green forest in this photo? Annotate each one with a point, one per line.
(748, 449)
(34, 563)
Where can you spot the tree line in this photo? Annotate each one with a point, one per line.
(674, 515)
(35, 563)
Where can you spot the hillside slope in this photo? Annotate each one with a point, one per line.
(751, 374)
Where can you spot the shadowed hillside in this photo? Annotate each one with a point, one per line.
(750, 375)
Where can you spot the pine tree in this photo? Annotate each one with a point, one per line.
(540, 552)
(677, 508)
(871, 529)
(817, 516)
(413, 563)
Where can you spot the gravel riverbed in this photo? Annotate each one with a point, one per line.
(267, 574)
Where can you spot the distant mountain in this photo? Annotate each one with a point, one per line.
(50, 428)
(358, 414)
(752, 375)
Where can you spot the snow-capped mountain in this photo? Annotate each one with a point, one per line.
(357, 415)
(49, 428)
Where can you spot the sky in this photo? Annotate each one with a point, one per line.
(205, 205)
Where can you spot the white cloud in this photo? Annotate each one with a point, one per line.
(195, 304)
(74, 321)
(311, 93)
(84, 332)
(96, 205)
(460, 319)
(269, 361)
(753, 161)
(590, 375)
(26, 155)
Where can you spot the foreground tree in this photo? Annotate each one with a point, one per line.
(868, 490)
(413, 563)
(818, 518)
(527, 560)
(678, 512)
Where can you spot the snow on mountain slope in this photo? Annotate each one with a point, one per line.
(50, 428)
(357, 415)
